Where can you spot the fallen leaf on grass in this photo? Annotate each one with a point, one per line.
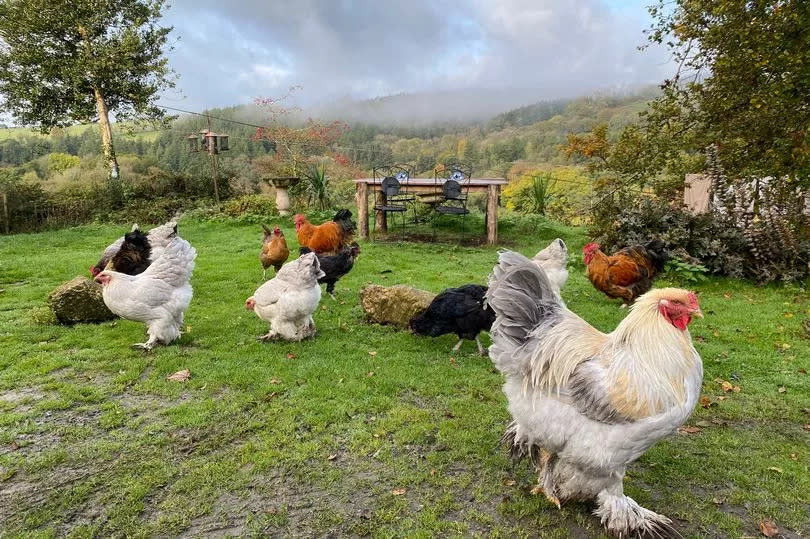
(399, 491)
(291, 356)
(717, 501)
(703, 424)
(688, 430)
(509, 482)
(768, 528)
(453, 362)
(722, 398)
(705, 401)
(727, 295)
(727, 386)
(269, 397)
(14, 445)
(781, 389)
(333, 456)
(274, 381)
(179, 376)
(372, 353)
(806, 427)
(802, 371)
(794, 456)
(775, 469)
(370, 374)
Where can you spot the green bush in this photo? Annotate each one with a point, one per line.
(261, 205)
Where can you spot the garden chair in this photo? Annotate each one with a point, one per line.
(394, 186)
(453, 185)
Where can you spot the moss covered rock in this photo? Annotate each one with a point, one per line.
(79, 300)
(394, 305)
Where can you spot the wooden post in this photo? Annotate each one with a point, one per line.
(212, 150)
(5, 212)
(492, 214)
(362, 208)
(380, 216)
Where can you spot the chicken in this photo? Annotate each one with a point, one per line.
(335, 267)
(553, 260)
(456, 310)
(328, 238)
(586, 404)
(288, 300)
(159, 237)
(133, 254)
(626, 274)
(157, 297)
(274, 250)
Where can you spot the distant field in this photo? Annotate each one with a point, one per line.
(75, 130)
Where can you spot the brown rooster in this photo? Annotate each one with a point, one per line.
(274, 250)
(328, 238)
(626, 274)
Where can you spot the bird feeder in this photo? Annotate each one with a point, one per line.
(222, 143)
(211, 142)
(193, 143)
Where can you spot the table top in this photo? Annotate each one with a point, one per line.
(430, 182)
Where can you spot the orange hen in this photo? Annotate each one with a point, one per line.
(628, 273)
(328, 238)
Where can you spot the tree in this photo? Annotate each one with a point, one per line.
(742, 83)
(75, 61)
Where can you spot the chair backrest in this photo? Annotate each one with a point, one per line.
(451, 189)
(455, 181)
(390, 186)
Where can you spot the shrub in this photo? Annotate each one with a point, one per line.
(259, 205)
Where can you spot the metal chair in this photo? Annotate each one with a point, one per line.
(394, 188)
(453, 187)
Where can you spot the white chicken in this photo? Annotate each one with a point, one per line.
(288, 300)
(586, 404)
(159, 237)
(553, 260)
(157, 297)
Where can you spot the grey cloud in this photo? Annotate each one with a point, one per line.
(230, 52)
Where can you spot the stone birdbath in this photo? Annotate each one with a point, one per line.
(282, 186)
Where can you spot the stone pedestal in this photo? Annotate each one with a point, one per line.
(282, 186)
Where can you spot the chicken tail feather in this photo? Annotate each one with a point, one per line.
(522, 298)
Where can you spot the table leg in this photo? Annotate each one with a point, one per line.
(492, 214)
(362, 209)
(381, 217)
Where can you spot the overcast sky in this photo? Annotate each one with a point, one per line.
(229, 52)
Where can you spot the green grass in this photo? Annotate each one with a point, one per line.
(283, 438)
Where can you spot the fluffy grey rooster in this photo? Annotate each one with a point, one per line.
(586, 404)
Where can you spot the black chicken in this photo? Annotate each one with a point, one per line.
(132, 257)
(335, 266)
(456, 310)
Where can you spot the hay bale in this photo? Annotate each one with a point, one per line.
(394, 305)
(79, 300)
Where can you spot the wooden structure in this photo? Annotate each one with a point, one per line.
(490, 186)
(696, 193)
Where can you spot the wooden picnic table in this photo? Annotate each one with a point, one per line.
(492, 187)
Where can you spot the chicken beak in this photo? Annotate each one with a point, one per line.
(697, 312)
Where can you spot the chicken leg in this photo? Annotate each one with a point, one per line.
(624, 517)
(481, 350)
(458, 345)
(545, 477)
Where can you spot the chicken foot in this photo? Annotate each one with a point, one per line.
(622, 516)
(545, 477)
(458, 345)
(269, 336)
(146, 346)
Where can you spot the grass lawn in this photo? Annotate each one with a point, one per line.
(364, 430)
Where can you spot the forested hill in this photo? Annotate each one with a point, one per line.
(532, 133)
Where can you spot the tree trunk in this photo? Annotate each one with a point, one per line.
(106, 135)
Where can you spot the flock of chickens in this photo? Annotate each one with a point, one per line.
(584, 404)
